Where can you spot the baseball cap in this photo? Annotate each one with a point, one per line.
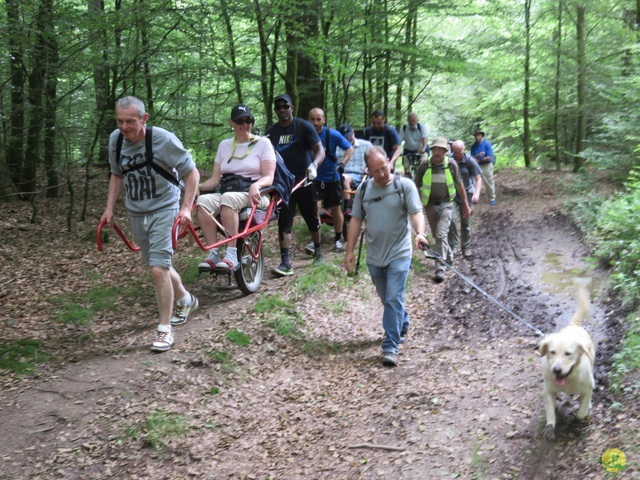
(345, 130)
(240, 111)
(283, 97)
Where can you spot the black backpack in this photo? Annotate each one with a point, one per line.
(149, 160)
(283, 179)
(399, 189)
(404, 127)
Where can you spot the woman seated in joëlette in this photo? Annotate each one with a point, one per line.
(244, 164)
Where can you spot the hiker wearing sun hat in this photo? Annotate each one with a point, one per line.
(438, 180)
(482, 151)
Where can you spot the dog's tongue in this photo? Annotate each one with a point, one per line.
(560, 381)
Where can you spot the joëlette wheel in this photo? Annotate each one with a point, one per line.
(249, 274)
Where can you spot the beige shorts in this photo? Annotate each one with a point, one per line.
(211, 202)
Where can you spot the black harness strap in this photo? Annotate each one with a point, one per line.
(148, 143)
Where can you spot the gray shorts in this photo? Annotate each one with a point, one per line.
(152, 232)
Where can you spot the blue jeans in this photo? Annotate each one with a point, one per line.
(390, 282)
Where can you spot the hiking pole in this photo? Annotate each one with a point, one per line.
(359, 252)
(431, 254)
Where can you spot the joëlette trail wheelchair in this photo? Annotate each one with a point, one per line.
(248, 241)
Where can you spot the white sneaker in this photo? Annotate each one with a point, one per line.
(339, 246)
(310, 248)
(211, 260)
(164, 339)
(181, 311)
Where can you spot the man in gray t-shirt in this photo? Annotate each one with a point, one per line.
(153, 204)
(389, 204)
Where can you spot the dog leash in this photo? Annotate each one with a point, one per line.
(433, 255)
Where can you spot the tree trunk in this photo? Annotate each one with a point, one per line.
(232, 49)
(36, 95)
(51, 85)
(264, 64)
(302, 74)
(581, 131)
(413, 66)
(556, 109)
(101, 73)
(526, 137)
(146, 51)
(15, 139)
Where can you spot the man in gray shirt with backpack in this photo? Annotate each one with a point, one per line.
(146, 163)
(390, 203)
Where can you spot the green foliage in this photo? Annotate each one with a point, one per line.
(238, 337)
(320, 277)
(627, 358)
(281, 314)
(188, 268)
(618, 242)
(224, 359)
(21, 356)
(75, 314)
(158, 427)
(103, 298)
(77, 309)
(220, 356)
(272, 303)
(286, 326)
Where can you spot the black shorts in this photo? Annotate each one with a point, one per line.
(306, 199)
(330, 193)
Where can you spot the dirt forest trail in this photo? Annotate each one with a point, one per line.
(464, 402)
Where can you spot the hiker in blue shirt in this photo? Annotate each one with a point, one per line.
(482, 151)
(328, 182)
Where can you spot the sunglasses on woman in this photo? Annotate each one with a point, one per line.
(242, 121)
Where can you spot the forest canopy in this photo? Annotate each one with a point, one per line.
(552, 82)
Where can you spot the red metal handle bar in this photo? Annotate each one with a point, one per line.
(247, 230)
(118, 231)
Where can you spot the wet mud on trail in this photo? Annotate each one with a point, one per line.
(464, 402)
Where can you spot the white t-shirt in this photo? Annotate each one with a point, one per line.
(239, 162)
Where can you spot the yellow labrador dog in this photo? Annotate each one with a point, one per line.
(567, 363)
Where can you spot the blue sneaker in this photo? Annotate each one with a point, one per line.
(492, 202)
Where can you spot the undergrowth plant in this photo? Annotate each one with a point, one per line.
(238, 337)
(81, 308)
(158, 427)
(618, 243)
(612, 226)
(627, 359)
(21, 356)
(280, 314)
